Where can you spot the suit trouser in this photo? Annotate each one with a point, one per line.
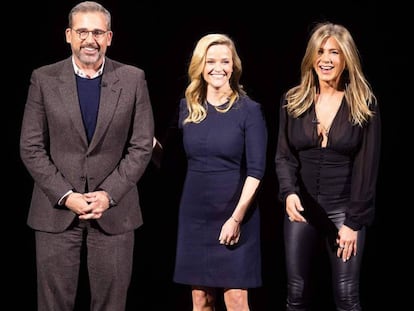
(109, 265)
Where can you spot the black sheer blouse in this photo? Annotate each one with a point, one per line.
(346, 167)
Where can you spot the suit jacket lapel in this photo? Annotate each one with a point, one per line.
(69, 96)
(108, 102)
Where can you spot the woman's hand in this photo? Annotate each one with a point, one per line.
(347, 243)
(230, 232)
(294, 207)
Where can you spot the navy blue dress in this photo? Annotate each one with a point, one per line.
(221, 151)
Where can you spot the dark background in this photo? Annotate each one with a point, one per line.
(159, 38)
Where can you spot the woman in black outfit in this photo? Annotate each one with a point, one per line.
(327, 162)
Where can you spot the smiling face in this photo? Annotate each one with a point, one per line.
(89, 52)
(329, 62)
(218, 66)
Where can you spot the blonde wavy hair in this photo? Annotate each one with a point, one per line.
(196, 91)
(358, 91)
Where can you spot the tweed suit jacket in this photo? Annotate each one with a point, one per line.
(55, 150)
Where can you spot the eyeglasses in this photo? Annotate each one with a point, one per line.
(97, 34)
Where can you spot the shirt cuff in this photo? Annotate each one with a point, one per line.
(63, 198)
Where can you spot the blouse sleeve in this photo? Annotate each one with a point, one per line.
(286, 162)
(364, 175)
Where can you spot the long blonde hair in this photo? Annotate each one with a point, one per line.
(358, 92)
(196, 90)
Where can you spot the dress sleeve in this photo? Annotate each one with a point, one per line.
(286, 162)
(364, 175)
(256, 141)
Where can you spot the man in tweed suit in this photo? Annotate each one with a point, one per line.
(86, 140)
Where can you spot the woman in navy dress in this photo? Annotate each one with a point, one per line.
(225, 141)
(327, 162)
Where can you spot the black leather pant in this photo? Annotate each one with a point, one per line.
(301, 242)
